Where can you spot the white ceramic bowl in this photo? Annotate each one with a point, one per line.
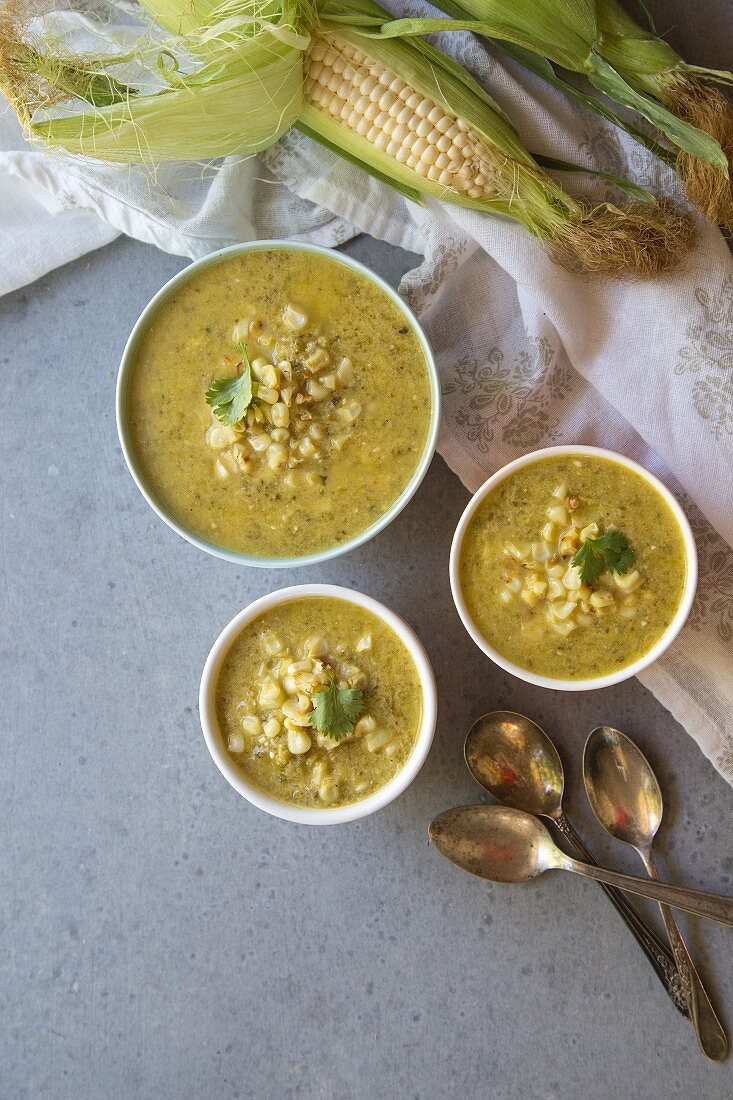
(285, 810)
(670, 633)
(127, 443)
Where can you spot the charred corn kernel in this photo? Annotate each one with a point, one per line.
(271, 694)
(538, 586)
(541, 551)
(518, 550)
(562, 611)
(316, 646)
(298, 742)
(316, 390)
(558, 514)
(219, 436)
(555, 590)
(251, 725)
(280, 414)
(317, 360)
(235, 742)
(345, 372)
(267, 394)
(259, 442)
(589, 532)
(569, 543)
(294, 318)
(627, 582)
(328, 791)
(564, 628)
(272, 728)
(349, 412)
(571, 579)
(277, 455)
(376, 740)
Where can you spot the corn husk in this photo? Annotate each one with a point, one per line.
(631, 66)
(205, 80)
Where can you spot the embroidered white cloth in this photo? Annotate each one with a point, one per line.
(528, 354)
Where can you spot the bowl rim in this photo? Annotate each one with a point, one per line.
(611, 678)
(125, 435)
(301, 814)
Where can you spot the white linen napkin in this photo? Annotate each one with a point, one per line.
(528, 354)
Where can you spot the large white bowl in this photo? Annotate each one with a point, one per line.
(127, 443)
(285, 810)
(610, 678)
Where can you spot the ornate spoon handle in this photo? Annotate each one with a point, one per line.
(656, 951)
(708, 1028)
(713, 906)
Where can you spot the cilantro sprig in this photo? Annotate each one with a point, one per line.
(336, 710)
(231, 397)
(611, 551)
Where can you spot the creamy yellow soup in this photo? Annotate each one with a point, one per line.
(338, 417)
(536, 607)
(267, 702)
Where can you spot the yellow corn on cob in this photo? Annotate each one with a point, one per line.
(400, 109)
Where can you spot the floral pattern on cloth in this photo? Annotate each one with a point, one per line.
(708, 358)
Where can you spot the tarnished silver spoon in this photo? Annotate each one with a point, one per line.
(515, 761)
(626, 798)
(506, 845)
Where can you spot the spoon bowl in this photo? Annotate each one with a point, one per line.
(515, 760)
(622, 788)
(498, 843)
(507, 845)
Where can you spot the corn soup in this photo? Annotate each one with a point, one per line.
(573, 567)
(318, 702)
(279, 403)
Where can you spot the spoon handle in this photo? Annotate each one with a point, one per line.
(708, 1029)
(656, 951)
(713, 906)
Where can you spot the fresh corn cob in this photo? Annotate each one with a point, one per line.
(632, 66)
(400, 109)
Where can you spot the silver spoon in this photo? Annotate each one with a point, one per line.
(514, 759)
(507, 845)
(625, 797)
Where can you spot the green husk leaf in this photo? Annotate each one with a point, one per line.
(323, 139)
(634, 190)
(541, 67)
(604, 77)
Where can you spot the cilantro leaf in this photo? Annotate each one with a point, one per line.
(611, 551)
(336, 710)
(231, 397)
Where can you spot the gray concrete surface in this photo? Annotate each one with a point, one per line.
(162, 939)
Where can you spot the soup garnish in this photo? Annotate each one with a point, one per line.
(279, 403)
(318, 702)
(573, 566)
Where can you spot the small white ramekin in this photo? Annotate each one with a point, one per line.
(284, 810)
(127, 443)
(610, 678)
